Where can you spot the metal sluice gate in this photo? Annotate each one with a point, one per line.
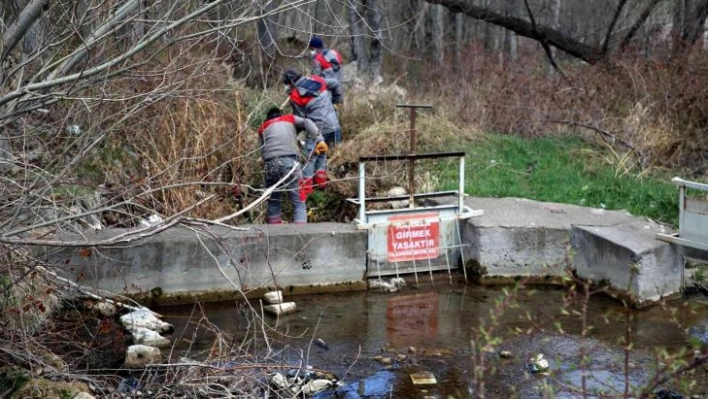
(418, 238)
(693, 217)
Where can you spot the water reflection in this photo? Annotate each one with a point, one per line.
(431, 327)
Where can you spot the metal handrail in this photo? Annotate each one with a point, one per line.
(409, 157)
(690, 184)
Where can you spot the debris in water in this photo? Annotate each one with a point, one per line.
(506, 354)
(322, 344)
(538, 364)
(423, 378)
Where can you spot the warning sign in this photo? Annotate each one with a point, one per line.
(413, 237)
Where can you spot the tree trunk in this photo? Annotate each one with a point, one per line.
(459, 35)
(375, 14)
(510, 39)
(555, 24)
(357, 34)
(267, 32)
(489, 42)
(434, 32)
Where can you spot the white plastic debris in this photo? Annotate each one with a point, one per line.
(281, 308)
(145, 336)
(538, 364)
(316, 386)
(387, 286)
(73, 129)
(273, 297)
(279, 380)
(145, 318)
(153, 220)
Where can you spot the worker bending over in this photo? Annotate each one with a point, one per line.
(280, 150)
(310, 98)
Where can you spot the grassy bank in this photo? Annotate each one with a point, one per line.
(565, 170)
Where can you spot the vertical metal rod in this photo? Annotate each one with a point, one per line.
(362, 193)
(461, 194)
(447, 257)
(459, 242)
(430, 270)
(682, 204)
(378, 271)
(682, 207)
(415, 271)
(411, 163)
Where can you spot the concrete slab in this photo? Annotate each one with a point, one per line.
(629, 259)
(216, 263)
(520, 237)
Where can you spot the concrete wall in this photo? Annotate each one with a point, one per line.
(180, 262)
(629, 259)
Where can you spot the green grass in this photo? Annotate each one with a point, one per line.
(564, 170)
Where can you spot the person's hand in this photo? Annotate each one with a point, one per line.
(321, 148)
(338, 106)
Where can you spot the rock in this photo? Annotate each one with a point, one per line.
(281, 308)
(40, 388)
(273, 297)
(397, 192)
(145, 336)
(139, 356)
(84, 395)
(145, 318)
(699, 332)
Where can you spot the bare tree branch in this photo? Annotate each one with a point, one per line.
(21, 25)
(611, 27)
(524, 28)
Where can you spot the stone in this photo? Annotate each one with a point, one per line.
(139, 356)
(281, 308)
(83, 395)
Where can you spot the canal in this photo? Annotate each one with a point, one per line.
(471, 339)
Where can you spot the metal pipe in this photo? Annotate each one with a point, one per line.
(461, 194)
(404, 157)
(362, 193)
(411, 163)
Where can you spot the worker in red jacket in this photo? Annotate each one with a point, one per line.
(314, 97)
(280, 152)
(327, 63)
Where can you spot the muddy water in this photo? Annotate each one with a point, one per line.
(434, 327)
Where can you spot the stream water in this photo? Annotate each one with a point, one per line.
(373, 341)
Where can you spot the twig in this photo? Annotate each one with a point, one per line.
(86, 291)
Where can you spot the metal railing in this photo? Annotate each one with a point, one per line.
(693, 217)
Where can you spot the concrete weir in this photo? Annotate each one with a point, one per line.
(542, 241)
(514, 238)
(215, 263)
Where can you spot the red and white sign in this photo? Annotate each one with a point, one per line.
(413, 237)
